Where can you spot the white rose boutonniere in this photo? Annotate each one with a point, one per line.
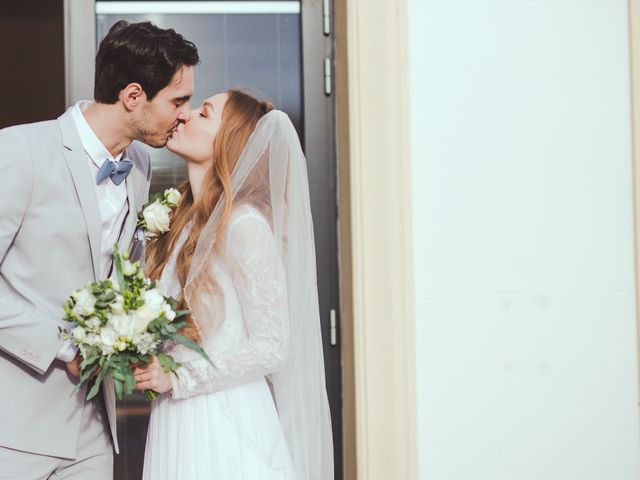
(172, 197)
(155, 217)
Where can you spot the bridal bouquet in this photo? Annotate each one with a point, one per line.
(119, 323)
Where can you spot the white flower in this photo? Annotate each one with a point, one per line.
(120, 345)
(172, 197)
(108, 336)
(117, 306)
(122, 324)
(85, 302)
(128, 268)
(156, 218)
(93, 340)
(147, 313)
(79, 334)
(144, 342)
(168, 311)
(93, 323)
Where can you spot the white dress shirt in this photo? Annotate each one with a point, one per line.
(112, 202)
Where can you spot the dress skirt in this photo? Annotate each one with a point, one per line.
(233, 434)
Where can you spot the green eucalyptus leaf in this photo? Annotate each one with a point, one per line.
(130, 381)
(181, 339)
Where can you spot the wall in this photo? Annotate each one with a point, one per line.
(31, 50)
(522, 195)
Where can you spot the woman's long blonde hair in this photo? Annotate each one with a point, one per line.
(239, 117)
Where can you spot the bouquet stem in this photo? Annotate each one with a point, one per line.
(150, 394)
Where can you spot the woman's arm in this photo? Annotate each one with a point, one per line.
(259, 280)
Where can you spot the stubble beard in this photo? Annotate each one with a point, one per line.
(143, 133)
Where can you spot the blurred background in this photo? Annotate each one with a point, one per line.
(474, 180)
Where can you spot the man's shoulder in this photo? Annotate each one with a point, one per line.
(26, 133)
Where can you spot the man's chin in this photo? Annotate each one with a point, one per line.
(157, 142)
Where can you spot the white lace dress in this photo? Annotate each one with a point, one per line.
(220, 421)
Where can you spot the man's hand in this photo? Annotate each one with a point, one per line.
(74, 366)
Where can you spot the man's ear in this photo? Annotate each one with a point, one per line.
(132, 95)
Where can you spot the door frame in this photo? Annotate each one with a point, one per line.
(79, 49)
(634, 79)
(375, 239)
(319, 113)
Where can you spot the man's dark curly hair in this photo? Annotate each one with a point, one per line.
(142, 53)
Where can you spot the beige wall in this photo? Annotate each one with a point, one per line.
(376, 222)
(526, 324)
(375, 240)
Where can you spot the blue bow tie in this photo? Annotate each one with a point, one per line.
(118, 171)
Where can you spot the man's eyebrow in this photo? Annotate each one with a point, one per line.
(182, 99)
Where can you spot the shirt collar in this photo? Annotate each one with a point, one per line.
(90, 142)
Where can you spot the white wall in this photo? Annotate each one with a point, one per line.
(523, 240)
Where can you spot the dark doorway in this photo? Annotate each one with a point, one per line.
(287, 53)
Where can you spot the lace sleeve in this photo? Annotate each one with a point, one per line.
(259, 281)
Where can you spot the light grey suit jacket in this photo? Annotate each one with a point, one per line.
(50, 235)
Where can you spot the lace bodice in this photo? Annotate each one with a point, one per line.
(253, 340)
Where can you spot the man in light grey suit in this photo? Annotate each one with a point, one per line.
(70, 189)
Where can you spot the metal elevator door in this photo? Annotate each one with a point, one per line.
(284, 49)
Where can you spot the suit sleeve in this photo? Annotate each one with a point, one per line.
(26, 333)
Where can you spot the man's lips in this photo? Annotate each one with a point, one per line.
(173, 131)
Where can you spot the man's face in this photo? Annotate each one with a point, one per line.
(156, 120)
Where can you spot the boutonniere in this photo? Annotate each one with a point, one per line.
(155, 217)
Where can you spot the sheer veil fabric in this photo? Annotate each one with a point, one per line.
(271, 176)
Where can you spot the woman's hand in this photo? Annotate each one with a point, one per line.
(152, 377)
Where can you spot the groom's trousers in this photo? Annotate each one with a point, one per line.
(94, 458)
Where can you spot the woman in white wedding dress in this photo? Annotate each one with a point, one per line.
(245, 268)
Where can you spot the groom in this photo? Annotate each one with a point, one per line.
(71, 188)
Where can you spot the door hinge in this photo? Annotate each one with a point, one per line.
(326, 17)
(327, 76)
(333, 329)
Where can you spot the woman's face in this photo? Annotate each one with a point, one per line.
(193, 140)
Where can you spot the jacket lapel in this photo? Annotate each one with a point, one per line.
(79, 167)
(132, 217)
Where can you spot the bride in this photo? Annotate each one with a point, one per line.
(240, 256)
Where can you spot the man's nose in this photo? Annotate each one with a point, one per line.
(185, 113)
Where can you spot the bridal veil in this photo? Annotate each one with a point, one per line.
(271, 176)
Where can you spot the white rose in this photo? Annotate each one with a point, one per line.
(142, 320)
(152, 308)
(129, 268)
(108, 336)
(79, 334)
(85, 302)
(156, 218)
(168, 312)
(122, 324)
(172, 197)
